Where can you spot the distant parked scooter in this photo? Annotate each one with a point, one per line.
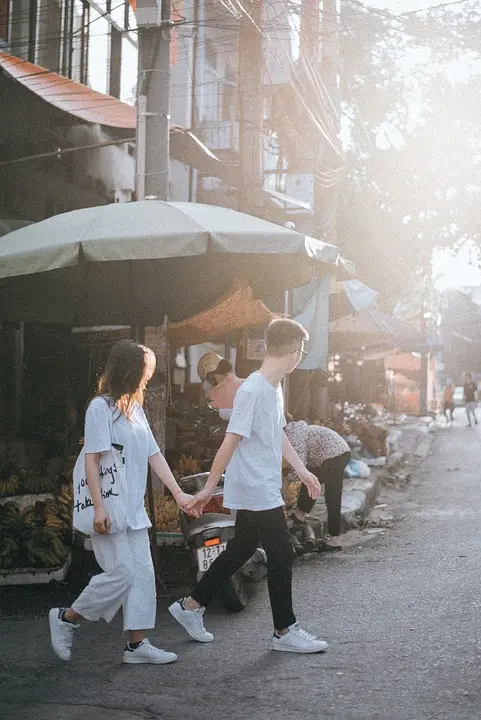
(207, 536)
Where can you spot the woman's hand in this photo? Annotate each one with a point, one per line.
(187, 503)
(101, 521)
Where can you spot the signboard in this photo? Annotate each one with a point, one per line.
(255, 345)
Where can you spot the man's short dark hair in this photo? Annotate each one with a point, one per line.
(284, 336)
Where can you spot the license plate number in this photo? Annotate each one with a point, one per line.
(207, 555)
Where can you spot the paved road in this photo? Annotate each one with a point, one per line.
(401, 615)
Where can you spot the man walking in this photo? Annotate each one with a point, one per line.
(251, 454)
(470, 391)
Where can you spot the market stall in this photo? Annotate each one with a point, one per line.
(115, 271)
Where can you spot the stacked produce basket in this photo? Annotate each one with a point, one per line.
(35, 522)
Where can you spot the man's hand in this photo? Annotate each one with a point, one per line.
(101, 521)
(187, 503)
(202, 498)
(312, 484)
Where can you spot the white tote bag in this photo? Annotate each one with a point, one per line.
(113, 486)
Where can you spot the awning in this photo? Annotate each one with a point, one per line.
(91, 106)
(236, 310)
(288, 203)
(70, 96)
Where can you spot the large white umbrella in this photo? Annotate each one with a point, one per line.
(136, 262)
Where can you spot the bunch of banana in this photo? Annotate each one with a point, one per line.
(36, 483)
(166, 514)
(54, 520)
(33, 515)
(66, 468)
(8, 553)
(54, 467)
(290, 492)
(65, 499)
(187, 465)
(44, 549)
(12, 525)
(9, 485)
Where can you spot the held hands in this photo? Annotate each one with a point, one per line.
(312, 484)
(187, 503)
(101, 521)
(202, 498)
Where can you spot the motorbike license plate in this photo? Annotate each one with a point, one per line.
(207, 555)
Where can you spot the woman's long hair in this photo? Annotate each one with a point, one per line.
(129, 368)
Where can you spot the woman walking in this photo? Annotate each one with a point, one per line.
(115, 417)
(326, 454)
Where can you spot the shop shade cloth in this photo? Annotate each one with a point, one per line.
(238, 309)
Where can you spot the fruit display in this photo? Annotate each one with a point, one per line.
(44, 549)
(166, 513)
(290, 492)
(36, 483)
(65, 502)
(26, 540)
(18, 480)
(187, 465)
(9, 485)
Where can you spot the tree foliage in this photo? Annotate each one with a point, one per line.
(412, 89)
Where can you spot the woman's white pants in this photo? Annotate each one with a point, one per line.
(128, 581)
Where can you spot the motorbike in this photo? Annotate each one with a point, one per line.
(207, 536)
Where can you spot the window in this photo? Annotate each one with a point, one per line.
(128, 78)
(98, 71)
(48, 34)
(78, 41)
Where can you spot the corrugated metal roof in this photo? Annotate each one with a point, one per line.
(68, 95)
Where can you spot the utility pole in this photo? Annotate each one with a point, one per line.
(251, 83)
(153, 100)
(327, 194)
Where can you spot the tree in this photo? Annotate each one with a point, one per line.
(412, 87)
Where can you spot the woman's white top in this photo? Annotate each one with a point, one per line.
(138, 444)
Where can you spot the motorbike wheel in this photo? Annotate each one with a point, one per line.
(234, 596)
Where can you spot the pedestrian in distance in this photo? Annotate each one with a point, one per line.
(448, 401)
(470, 397)
(115, 416)
(326, 454)
(251, 456)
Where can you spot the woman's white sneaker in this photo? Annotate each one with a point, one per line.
(297, 640)
(147, 653)
(192, 621)
(61, 634)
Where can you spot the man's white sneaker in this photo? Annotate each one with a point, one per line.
(298, 641)
(147, 653)
(61, 634)
(192, 621)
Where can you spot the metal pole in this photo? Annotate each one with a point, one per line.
(141, 144)
(326, 198)
(153, 164)
(250, 83)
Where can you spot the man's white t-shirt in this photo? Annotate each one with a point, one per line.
(138, 444)
(253, 478)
